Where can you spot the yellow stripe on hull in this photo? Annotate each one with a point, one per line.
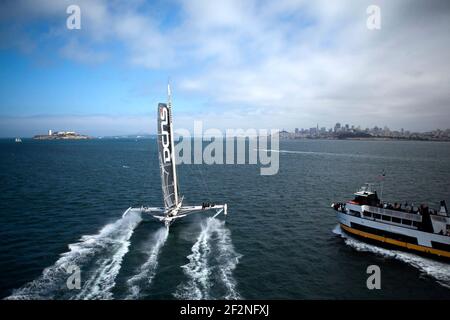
(398, 243)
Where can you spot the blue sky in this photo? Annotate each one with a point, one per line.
(232, 64)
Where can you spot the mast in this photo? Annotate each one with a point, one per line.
(174, 168)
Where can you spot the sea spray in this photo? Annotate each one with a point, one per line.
(147, 271)
(228, 260)
(98, 256)
(102, 280)
(435, 269)
(197, 269)
(203, 266)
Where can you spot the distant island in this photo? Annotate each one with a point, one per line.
(61, 135)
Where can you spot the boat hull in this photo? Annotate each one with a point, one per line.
(392, 236)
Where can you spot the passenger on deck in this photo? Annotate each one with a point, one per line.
(207, 205)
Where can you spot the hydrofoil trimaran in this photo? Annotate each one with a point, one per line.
(173, 204)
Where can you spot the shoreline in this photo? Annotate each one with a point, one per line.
(367, 139)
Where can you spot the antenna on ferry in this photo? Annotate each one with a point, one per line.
(381, 177)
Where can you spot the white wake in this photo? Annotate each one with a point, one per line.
(333, 154)
(207, 265)
(148, 270)
(99, 258)
(440, 271)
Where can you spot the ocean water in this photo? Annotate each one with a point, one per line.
(61, 204)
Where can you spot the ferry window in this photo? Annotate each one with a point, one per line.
(407, 222)
(415, 224)
(367, 214)
(396, 220)
(360, 200)
(386, 218)
(376, 216)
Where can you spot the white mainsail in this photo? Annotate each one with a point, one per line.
(169, 181)
(173, 208)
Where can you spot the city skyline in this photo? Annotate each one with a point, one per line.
(231, 64)
(357, 127)
(350, 130)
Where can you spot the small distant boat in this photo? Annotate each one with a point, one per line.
(18, 140)
(418, 229)
(173, 204)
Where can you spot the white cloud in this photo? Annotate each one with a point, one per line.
(288, 63)
(337, 70)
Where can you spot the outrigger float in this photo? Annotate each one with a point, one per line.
(418, 229)
(173, 204)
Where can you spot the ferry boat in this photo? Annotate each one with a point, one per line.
(417, 229)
